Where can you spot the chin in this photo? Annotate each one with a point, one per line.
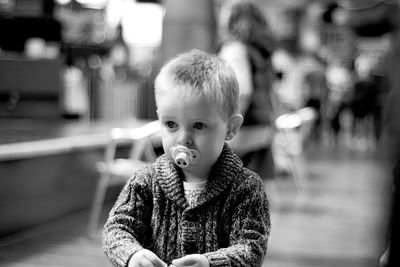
(197, 170)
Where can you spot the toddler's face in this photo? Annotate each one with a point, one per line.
(193, 123)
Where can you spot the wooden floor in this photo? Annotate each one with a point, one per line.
(337, 219)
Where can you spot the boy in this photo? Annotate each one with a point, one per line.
(196, 205)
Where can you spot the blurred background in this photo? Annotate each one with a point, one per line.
(73, 70)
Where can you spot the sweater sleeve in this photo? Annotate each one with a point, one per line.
(128, 223)
(250, 228)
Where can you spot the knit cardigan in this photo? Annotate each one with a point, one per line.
(230, 224)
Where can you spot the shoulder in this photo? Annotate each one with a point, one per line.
(234, 44)
(154, 173)
(145, 176)
(247, 181)
(233, 48)
(140, 183)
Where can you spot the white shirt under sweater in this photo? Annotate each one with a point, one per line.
(193, 191)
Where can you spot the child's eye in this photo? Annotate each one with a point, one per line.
(171, 124)
(198, 125)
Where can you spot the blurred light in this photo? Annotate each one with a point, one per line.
(340, 16)
(310, 40)
(142, 24)
(338, 75)
(307, 114)
(114, 11)
(35, 47)
(63, 2)
(288, 121)
(95, 4)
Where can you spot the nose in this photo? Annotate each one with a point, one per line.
(185, 138)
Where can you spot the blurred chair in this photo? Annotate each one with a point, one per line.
(293, 131)
(116, 169)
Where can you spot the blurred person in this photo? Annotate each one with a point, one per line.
(391, 125)
(246, 45)
(366, 100)
(294, 57)
(75, 97)
(389, 257)
(340, 83)
(375, 18)
(117, 63)
(291, 67)
(315, 95)
(196, 205)
(119, 83)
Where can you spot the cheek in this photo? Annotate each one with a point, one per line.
(211, 146)
(167, 140)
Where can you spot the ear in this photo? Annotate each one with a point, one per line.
(233, 126)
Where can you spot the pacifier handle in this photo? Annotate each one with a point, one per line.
(183, 156)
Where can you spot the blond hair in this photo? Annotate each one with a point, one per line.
(196, 73)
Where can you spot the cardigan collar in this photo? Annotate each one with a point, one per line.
(169, 176)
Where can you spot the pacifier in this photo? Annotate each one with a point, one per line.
(184, 156)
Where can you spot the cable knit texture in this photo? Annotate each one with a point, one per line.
(229, 224)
